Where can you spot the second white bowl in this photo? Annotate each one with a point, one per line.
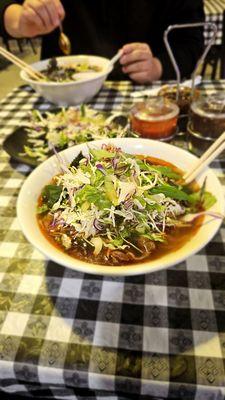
(70, 93)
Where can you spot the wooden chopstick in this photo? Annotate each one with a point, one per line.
(217, 147)
(21, 64)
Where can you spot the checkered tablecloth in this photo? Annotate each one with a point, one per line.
(214, 13)
(70, 335)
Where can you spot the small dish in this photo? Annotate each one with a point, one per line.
(15, 143)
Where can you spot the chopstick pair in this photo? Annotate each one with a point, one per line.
(217, 147)
(21, 64)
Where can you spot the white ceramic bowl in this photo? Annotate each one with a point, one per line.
(70, 93)
(27, 201)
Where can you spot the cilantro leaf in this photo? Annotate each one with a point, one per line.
(171, 191)
(93, 195)
(50, 194)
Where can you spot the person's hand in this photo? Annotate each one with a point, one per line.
(33, 17)
(39, 17)
(139, 63)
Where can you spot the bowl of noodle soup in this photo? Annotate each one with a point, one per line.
(71, 91)
(113, 240)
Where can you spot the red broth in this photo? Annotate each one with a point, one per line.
(176, 237)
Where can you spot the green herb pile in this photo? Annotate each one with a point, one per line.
(68, 127)
(117, 207)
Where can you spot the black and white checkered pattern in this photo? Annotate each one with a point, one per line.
(68, 335)
(214, 13)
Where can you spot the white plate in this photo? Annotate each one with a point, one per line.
(27, 201)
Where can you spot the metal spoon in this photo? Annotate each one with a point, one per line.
(64, 42)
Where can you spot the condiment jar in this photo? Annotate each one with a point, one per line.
(156, 118)
(184, 97)
(206, 122)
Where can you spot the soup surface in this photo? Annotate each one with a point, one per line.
(113, 208)
(56, 72)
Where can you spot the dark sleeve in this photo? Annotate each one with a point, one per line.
(187, 44)
(3, 5)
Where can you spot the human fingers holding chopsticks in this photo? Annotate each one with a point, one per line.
(33, 17)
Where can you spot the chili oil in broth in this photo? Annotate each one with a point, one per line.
(176, 237)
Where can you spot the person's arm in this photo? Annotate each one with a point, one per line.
(31, 17)
(144, 64)
(3, 6)
(187, 44)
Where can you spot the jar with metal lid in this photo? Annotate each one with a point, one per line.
(206, 122)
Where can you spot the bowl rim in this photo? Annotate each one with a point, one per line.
(64, 259)
(25, 77)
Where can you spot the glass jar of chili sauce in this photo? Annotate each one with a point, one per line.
(155, 118)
